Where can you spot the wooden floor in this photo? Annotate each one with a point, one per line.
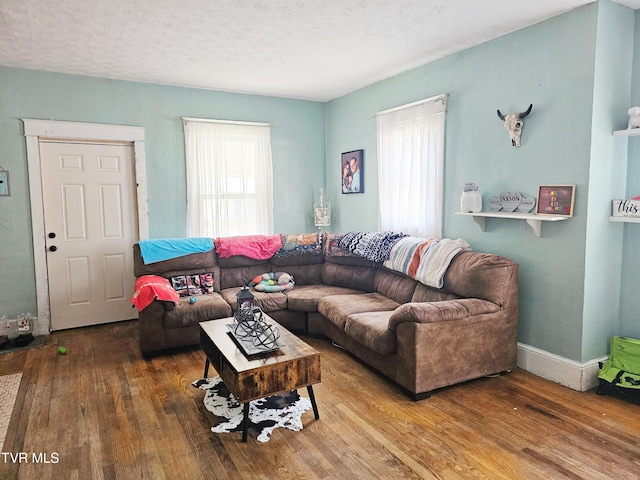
(103, 412)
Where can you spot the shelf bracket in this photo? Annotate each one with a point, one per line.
(479, 221)
(536, 226)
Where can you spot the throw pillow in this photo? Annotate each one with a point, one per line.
(273, 282)
(196, 284)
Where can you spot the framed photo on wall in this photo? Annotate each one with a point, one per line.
(556, 200)
(351, 171)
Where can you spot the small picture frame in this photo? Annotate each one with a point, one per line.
(5, 190)
(556, 200)
(351, 165)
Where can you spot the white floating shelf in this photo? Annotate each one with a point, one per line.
(532, 219)
(629, 132)
(624, 219)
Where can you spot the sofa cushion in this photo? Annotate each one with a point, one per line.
(360, 278)
(394, 285)
(207, 307)
(337, 308)
(241, 275)
(304, 298)
(238, 261)
(302, 274)
(268, 302)
(371, 329)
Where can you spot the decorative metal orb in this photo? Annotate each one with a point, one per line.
(265, 336)
(244, 323)
(249, 324)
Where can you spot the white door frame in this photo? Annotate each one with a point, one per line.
(33, 131)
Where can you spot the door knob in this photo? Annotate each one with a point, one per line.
(53, 248)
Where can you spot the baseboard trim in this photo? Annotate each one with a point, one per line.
(575, 375)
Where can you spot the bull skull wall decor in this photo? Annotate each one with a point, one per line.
(513, 123)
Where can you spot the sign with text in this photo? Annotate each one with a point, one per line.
(626, 208)
(556, 200)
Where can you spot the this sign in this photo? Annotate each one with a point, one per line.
(626, 208)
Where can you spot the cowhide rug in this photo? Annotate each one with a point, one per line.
(284, 410)
(9, 385)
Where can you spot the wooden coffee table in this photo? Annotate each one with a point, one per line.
(294, 365)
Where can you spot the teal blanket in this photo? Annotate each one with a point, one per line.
(160, 249)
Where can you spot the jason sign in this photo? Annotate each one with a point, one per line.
(513, 123)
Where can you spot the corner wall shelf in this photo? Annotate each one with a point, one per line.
(624, 219)
(532, 219)
(629, 132)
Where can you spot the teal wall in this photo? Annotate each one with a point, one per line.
(607, 175)
(569, 68)
(297, 140)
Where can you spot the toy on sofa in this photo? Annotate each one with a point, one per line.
(272, 282)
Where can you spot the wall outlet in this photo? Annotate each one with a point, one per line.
(4, 183)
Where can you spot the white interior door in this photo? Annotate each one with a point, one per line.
(90, 223)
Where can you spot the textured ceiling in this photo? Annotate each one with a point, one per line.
(309, 49)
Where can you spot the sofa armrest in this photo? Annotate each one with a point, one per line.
(166, 305)
(431, 312)
(160, 304)
(151, 328)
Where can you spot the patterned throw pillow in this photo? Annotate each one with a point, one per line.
(189, 285)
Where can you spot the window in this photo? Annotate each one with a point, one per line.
(229, 178)
(410, 167)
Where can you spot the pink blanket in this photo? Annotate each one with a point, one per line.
(257, 247)
(150, 287)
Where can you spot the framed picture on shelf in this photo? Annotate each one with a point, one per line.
(351, 170)
(556, 200)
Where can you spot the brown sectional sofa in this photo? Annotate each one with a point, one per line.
(420, 337)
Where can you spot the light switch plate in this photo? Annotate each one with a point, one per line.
(4, 183)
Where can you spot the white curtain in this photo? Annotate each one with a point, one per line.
(229, 179)
(410, 167)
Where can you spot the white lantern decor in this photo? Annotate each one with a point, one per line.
(322, 212)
